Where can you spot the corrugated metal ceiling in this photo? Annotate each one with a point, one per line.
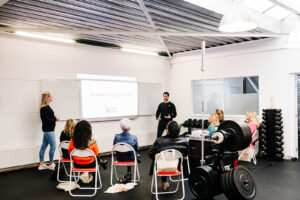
(119, 15)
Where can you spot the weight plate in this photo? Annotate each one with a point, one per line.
(240, 135)
(244, 183)
(203, 182)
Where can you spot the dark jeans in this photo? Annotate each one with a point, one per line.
(162, 124)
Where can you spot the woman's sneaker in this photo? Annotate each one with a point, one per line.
(43, 166)
(52, 166)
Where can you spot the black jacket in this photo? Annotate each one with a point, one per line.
(48, 119)
(167, 142)
(165, 109)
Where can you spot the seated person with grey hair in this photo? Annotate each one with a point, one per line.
(126, 137)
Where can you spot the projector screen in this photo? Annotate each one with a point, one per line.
(105, 99)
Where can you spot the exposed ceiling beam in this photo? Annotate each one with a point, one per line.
(149, 18)
(2, 2)
(265, 22)
(290, 5)
(144, 33)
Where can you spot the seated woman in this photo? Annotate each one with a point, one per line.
(82, 139)
(126, 137)
(169, 141)
(66, 135)
(252, 120)
(220, 114)
(213, 120)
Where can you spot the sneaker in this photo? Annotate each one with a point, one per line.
(43, 166)
(52, 166)
(165, 186)
(86, 177)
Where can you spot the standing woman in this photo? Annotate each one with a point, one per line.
(48, 125)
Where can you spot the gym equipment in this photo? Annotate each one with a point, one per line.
(271, 135)
(207, 181)
(238, 184)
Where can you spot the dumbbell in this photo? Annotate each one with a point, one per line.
(263, 136)
(278, 132)
(278, 118)
(194, 123)
(279, 123)
(263, 153)
(278, 127)
(279, 155)
(278, 144)
(278, 138)
(278, 114)
(278, 150)
(190, 122)
(277, 110)
(264, 147)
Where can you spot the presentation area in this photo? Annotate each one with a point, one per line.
(105, 99)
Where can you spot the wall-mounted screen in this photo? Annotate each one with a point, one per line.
(105, 99)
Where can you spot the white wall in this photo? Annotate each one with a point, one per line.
(265, 58)
(25, 62)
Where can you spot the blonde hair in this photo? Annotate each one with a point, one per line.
(45, 95)
(252, 117)
(220, 114)
(69, 127)
(214, 119)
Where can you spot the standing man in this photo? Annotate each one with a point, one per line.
(166, 111)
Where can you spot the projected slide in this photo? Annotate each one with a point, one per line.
(103, 99)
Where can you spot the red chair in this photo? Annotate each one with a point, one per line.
(63, 161)
(172, 154)
(75, 172)
(123, 148)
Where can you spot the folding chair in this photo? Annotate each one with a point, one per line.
(123, 148)
(75, 172)
(251, 148)
(173, 154)
(188, 168)
(63, 145)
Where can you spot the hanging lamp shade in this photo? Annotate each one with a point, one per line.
(238, 19)
(293, 40)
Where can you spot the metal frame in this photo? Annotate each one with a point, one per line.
(61, 145)
(76, 174)
(180, 176)
(123, 147)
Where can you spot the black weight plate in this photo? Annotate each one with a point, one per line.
(202, 182)
(224, 185)
(240, 135)
(244, 183)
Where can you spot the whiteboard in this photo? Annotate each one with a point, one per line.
(150, 96)
(66, 97)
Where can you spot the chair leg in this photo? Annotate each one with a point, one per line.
(64, 165)
(183, 189)
(138, 172)
(156, 187)
(111, 174)
(58, 168)
(134, 174)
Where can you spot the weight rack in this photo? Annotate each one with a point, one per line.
(271, 135)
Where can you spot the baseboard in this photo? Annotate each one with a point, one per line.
(15, 168)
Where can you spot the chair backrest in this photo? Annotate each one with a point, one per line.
(63, 145)
(122, 147)
(169, 154)
(83, 153)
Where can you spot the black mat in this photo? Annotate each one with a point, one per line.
(275, 182)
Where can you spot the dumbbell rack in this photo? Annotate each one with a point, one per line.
(271, 134)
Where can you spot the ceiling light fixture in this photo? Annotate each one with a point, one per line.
(34, 35)
(139, 51)
(238, 19)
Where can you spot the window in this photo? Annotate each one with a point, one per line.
(212, 97)
(234, 95)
